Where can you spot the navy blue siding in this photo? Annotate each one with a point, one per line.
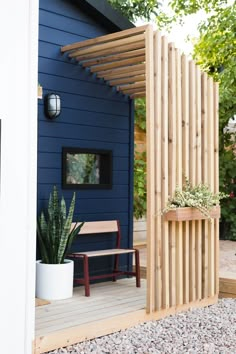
(93, 116)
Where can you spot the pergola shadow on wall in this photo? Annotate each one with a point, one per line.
(182, 141)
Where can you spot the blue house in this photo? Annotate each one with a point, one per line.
(93, 116)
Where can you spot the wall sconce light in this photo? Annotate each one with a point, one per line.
(52, 105)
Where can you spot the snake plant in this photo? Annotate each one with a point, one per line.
(55, 231)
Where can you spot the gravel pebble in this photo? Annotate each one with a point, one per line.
(209, 330)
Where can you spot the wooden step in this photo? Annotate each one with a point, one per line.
(227, 288)
(140, 244)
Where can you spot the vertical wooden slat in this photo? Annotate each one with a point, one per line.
(164, 169)
(158, 154)
(185, 165)
(179, 171)
(204, 100)
(172, 166)
(198, 180)
(192, 174)
(216, 182)
(211, 172)
(150, 168)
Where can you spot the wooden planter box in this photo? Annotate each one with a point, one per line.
(187, 213)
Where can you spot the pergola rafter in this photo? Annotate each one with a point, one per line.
(119, 58)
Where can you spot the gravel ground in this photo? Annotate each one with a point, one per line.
(206, 330)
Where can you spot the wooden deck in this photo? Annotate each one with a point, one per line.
(113, 306)
(57, 320)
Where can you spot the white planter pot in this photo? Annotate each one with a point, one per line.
(54, 281)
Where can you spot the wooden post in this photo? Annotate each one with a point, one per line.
(211, 172)
(158, 159)
(205, 180)
(185, 165)
(198, 180)
(192, 174)
(179, 182)
(164, 169)
(150, 128)
(172, 167)
(216, 182)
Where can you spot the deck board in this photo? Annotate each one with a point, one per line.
(107, 299)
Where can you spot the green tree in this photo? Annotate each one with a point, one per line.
(177, 10)
(215, 52)
(137, 9)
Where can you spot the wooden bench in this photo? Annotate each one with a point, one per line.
(101, 227)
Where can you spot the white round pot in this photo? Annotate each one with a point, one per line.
(54, 281)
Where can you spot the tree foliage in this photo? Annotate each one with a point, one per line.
(137, 9)
(215, 52)
(177, 10)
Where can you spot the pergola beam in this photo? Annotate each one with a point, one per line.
(128, 80)
(117, 64)
(125, 74)
(138, 95)
(141, 84)
(116, 50)
(108, 45)
(111, 58)
(124, 70)
(104, 39)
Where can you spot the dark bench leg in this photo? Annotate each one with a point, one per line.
(137, 268)
(86, 276)
(116, 266)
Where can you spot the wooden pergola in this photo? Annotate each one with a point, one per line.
(182, 141)
(118, 58)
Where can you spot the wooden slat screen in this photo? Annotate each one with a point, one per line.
(186, 145)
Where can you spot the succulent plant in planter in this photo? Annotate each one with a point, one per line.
(197, 197)
(55, 236)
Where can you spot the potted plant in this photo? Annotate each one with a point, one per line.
(54, 273)
(193, 203)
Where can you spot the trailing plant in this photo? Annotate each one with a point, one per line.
(54, 229)
(199, 197)
(140, 113)
(140, 192)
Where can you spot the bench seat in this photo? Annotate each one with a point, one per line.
(110, 227)
(107, 252)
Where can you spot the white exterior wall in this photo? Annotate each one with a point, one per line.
(18, 112)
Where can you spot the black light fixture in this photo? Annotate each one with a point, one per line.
(52, 105)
